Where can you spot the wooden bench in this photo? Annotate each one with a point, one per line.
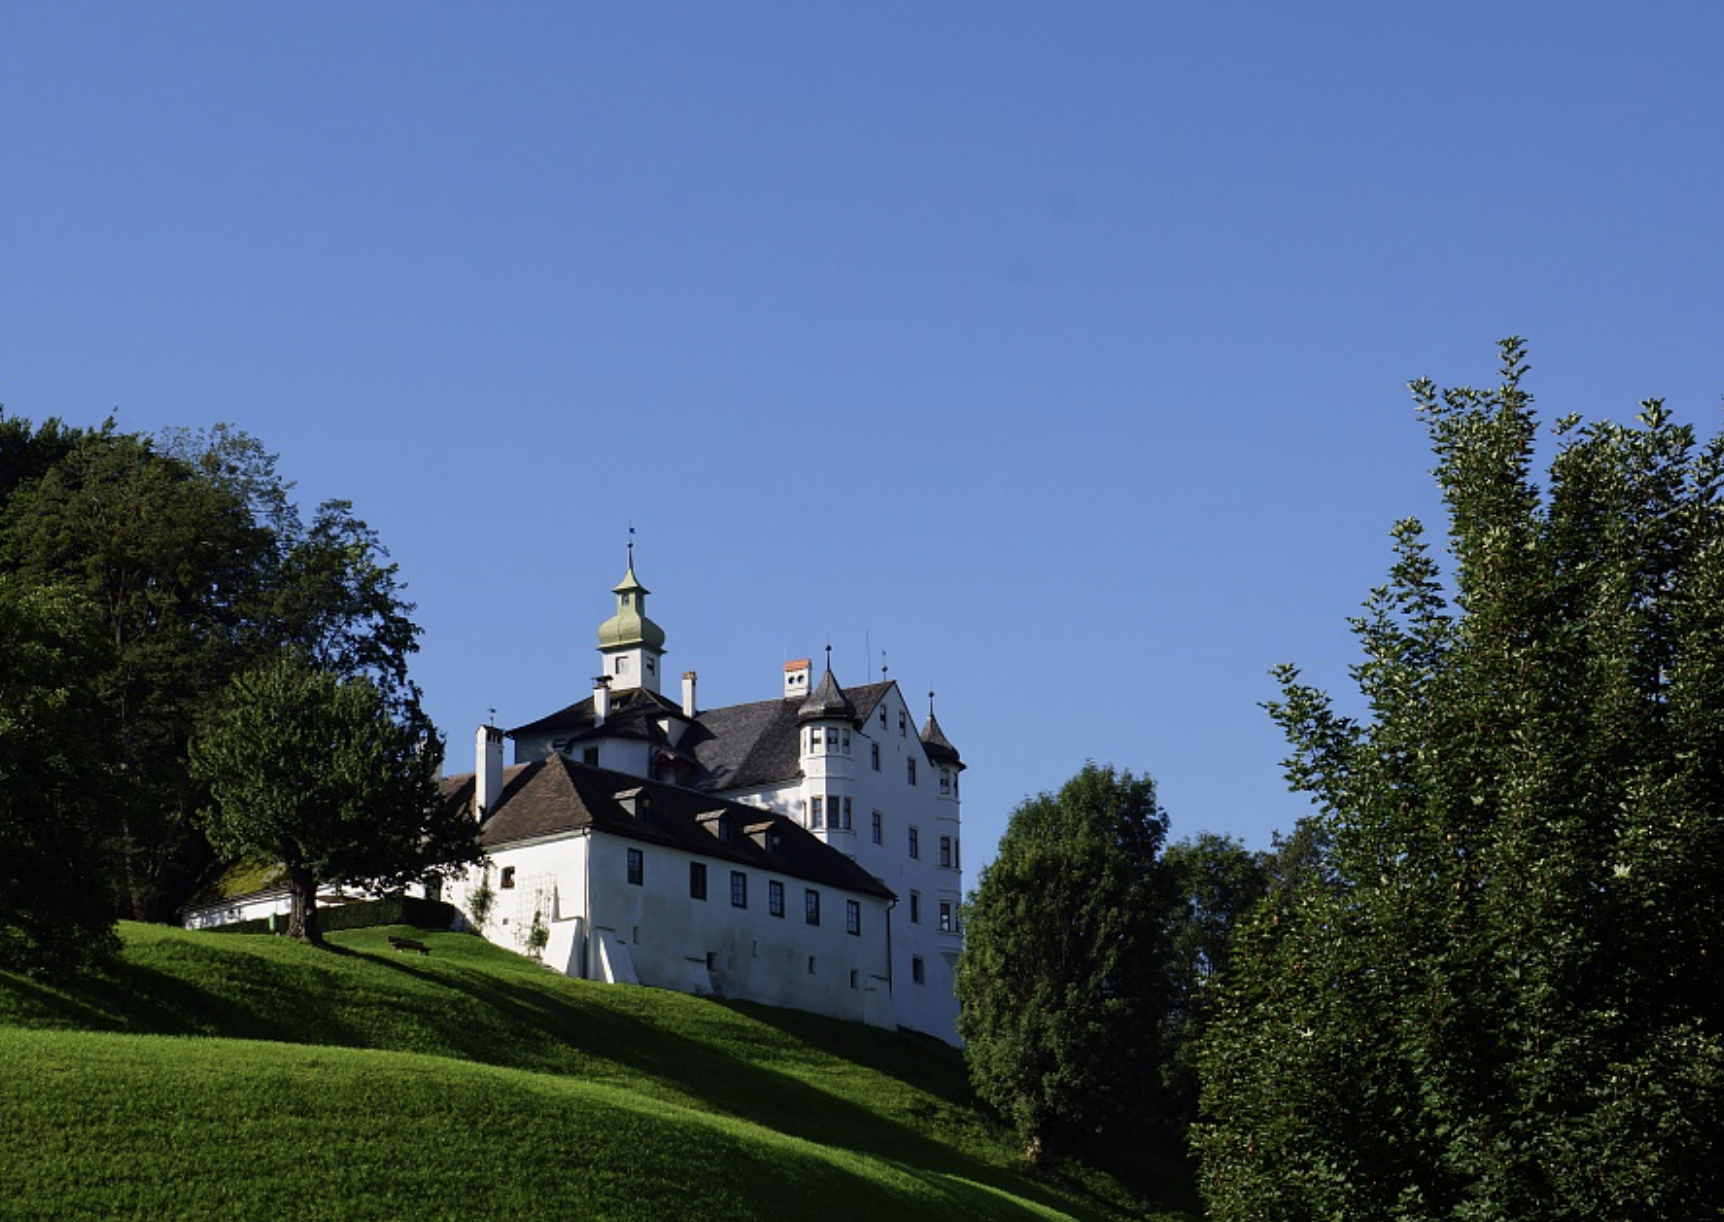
(406, 944)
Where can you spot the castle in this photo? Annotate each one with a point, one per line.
(802, 850)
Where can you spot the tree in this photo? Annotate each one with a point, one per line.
(201, 566)
(54, 912)
(1215, 882)
(168, 557)
(1062, 980)
(315, 771)
(1501, 994)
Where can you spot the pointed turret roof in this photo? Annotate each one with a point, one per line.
(827, 702)
(934, 742)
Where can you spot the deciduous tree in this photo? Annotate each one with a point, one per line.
(1063, 978)
(1503, 995)
(54, 781)
(316, 772)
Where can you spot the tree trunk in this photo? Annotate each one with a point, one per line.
(302, 917)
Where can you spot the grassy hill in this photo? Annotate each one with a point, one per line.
(472, 1084)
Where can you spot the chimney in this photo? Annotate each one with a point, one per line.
(601, 700)
(796, 677)
(688, 708)
(488, 768)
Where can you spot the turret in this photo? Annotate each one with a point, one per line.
(826, 723)
(631, 644)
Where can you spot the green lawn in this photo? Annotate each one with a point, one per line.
(362, 1083)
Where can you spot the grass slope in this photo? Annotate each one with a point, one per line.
(472, 1084)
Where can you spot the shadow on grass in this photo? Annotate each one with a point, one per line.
(709, 1076)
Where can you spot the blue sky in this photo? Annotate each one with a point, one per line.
(1058, 351)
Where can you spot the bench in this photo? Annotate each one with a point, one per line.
(406, 944)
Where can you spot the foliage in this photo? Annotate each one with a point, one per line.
(482, 899)
(1215, 882)
(538, 935)
(1063, 978)
(676, 1106)
(200, 565)
(53, 780)
(1499, 996)
(167, 558)
(315, 770)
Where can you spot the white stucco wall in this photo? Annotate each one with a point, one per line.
(663, 937)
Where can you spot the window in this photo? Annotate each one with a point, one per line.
(811, 908)
(847, 814)
(874, 755)
(946, 851)
(814, 739)
(846, 746)
(697, 880)
(945, 780)
(817, 815)
(878, 829)
(853, 917)
(957, 854)
(649, 667)
(882, 716)
(903, 722)
(915, 843)
(917, 972)
(946, 916)
(622, 666)
(811, 965)
(508, 879)
(637, 867)
(590, 755)
(915, 907)
(855, 979)
(738, 889)
(912, 762)
(775, 897)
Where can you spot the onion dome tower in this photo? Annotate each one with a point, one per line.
(630, 643)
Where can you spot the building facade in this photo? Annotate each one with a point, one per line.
(843, 781)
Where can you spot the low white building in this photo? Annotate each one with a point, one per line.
(636, 881)
(820, 795)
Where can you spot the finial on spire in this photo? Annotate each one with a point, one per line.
(930, 702)
(631, 545)
(828, 655)
(883, 667)
(492, 719)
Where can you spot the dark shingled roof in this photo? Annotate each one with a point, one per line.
(827, 703)
(634, 713)
(555, 795)
(740, 746)
(934, 743)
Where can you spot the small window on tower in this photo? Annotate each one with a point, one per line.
(622, 666)
(590, 755)
(508, 879)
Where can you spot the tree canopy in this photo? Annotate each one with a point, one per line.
(1063, 977)
(199, 566)
(1499, 993)
(54, 780)
(315, 771)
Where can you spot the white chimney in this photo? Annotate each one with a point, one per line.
(488, 768)
(688, 706)
(796, 677)
(601, 700)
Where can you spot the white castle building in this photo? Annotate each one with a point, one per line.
(801, 851)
